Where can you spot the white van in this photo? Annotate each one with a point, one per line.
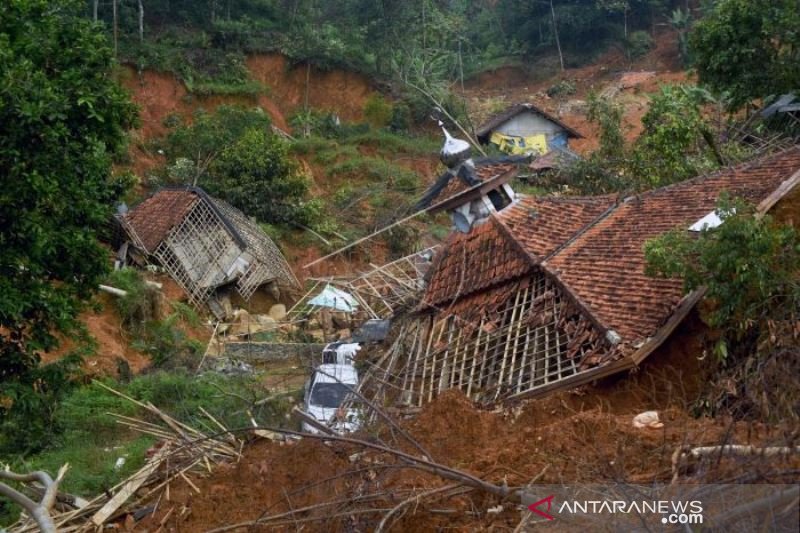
(325, 392)
(340, 353)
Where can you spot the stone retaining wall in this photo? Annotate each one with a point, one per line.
(271, 351)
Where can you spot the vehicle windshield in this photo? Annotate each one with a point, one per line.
(328, 394)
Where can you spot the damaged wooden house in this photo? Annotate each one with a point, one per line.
(204, 244)
(529, 295)
(527, 129)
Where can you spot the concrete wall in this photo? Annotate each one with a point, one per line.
(529, 123)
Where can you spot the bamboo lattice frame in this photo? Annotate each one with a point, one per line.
(536, 338)
(201, 252)
(380, 292)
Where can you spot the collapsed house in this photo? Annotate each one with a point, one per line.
(204, 243)
(784, 112)
(526, 129)
(529, 295)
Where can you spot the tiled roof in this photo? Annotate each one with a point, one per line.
(471, 262)
(541, 225)
(605, 265)
(594, 246)
(153, 219)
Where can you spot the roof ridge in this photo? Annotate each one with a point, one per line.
(513, 110)
(741, 166)
(599, 218)
(445, 252)
(540, 264)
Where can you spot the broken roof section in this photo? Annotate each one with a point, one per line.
(454, 188)
(154, 218)
(204, 243)
(484, 132)
(552, 293)
(594, 245)
(604, 265)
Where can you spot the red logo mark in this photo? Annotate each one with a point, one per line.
(533, 507)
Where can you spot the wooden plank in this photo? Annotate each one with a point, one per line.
(443, 324)
(516, 337)
(455, 361)
(508, 344)
(130, 487)
(431, 334)
(776, 195)
(524, 358)
(443, 373)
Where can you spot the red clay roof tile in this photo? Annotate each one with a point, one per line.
(594, 247)
(153, 219)
(474, 261)
(605, 265)
(541, 225)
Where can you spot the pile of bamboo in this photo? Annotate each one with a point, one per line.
(183, 451)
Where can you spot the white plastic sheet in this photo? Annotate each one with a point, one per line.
(334, 298)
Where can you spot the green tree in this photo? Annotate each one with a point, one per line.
(61, 120)
(233, 154)
(209, 134)
(748, 49)
(676, 143)
(749, 266)
(257, 175)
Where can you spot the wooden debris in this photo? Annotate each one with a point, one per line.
(183, 449)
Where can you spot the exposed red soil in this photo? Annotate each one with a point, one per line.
(508, 85)
(160, 94)
(571, 437)
(105, 327)
(342, 92)
(113, 341)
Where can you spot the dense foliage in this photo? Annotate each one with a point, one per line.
(62, 119)
(749, 49)
(676, 143)
(205, 42)
(234, 155)
(749, 267)
(257, 175)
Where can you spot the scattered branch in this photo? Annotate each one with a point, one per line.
(686, 452)
(39, 512)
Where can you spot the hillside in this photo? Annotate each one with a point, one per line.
(399, 266)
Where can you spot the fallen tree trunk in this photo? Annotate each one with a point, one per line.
(684, 453)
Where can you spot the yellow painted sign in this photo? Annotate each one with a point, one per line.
(512, 144)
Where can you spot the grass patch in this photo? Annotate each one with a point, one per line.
(376, 169)
(387, 142)
(223, 88)
(91, 440)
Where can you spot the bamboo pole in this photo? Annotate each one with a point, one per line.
(474, 359)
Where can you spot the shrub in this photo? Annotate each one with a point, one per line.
(749, 266)
(401, 117)
(562, 88)
(378, 111)
(141, 305)
(638, 44)
(255, 168)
